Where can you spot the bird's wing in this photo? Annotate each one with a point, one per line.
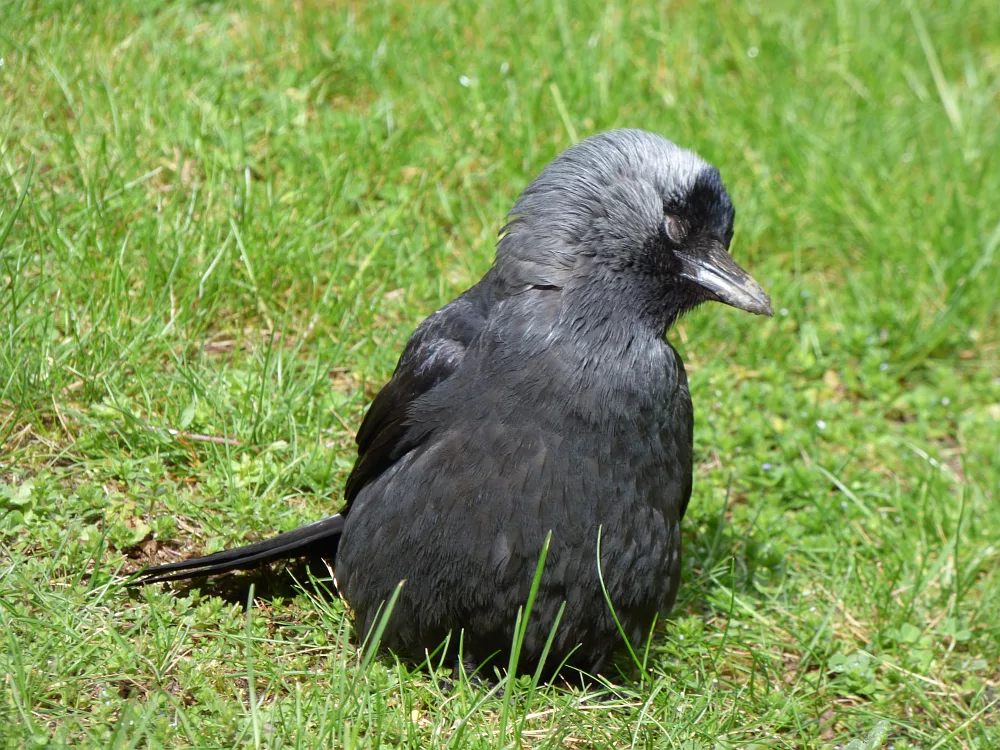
(433, 353)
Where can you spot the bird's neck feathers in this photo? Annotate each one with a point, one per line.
(585, 328)
(547, 356)
(626, 298)
(570, 345)
(597, 291)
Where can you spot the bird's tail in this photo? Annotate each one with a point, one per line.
(320, 537)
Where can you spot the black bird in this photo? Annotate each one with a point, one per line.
(544, 398)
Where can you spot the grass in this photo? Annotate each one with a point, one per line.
(226, 218)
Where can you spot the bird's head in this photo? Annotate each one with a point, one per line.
(630, 215)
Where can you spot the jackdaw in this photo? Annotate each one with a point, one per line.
(543, 399)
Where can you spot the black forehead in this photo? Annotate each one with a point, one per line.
(705, 203)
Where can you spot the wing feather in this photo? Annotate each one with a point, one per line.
(433, 353)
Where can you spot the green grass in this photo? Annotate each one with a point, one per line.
(226, 218)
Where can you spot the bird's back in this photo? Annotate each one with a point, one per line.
(537, 429)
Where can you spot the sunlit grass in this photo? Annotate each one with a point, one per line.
(224, 220)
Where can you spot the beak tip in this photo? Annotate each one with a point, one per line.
(726, 281)
(758, 302)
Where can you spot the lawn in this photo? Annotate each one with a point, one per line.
(220, 222)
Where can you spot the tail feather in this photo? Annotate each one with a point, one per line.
(296, 543)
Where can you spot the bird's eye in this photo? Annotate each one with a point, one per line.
(675, 229)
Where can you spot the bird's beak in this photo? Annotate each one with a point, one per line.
(717, 272)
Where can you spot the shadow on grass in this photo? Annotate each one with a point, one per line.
(719, 558)
(719, 555)
(285, 581)
(719, 552)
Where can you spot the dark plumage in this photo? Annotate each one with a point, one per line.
(543, 398)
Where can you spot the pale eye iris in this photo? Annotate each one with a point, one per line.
(674, 228)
